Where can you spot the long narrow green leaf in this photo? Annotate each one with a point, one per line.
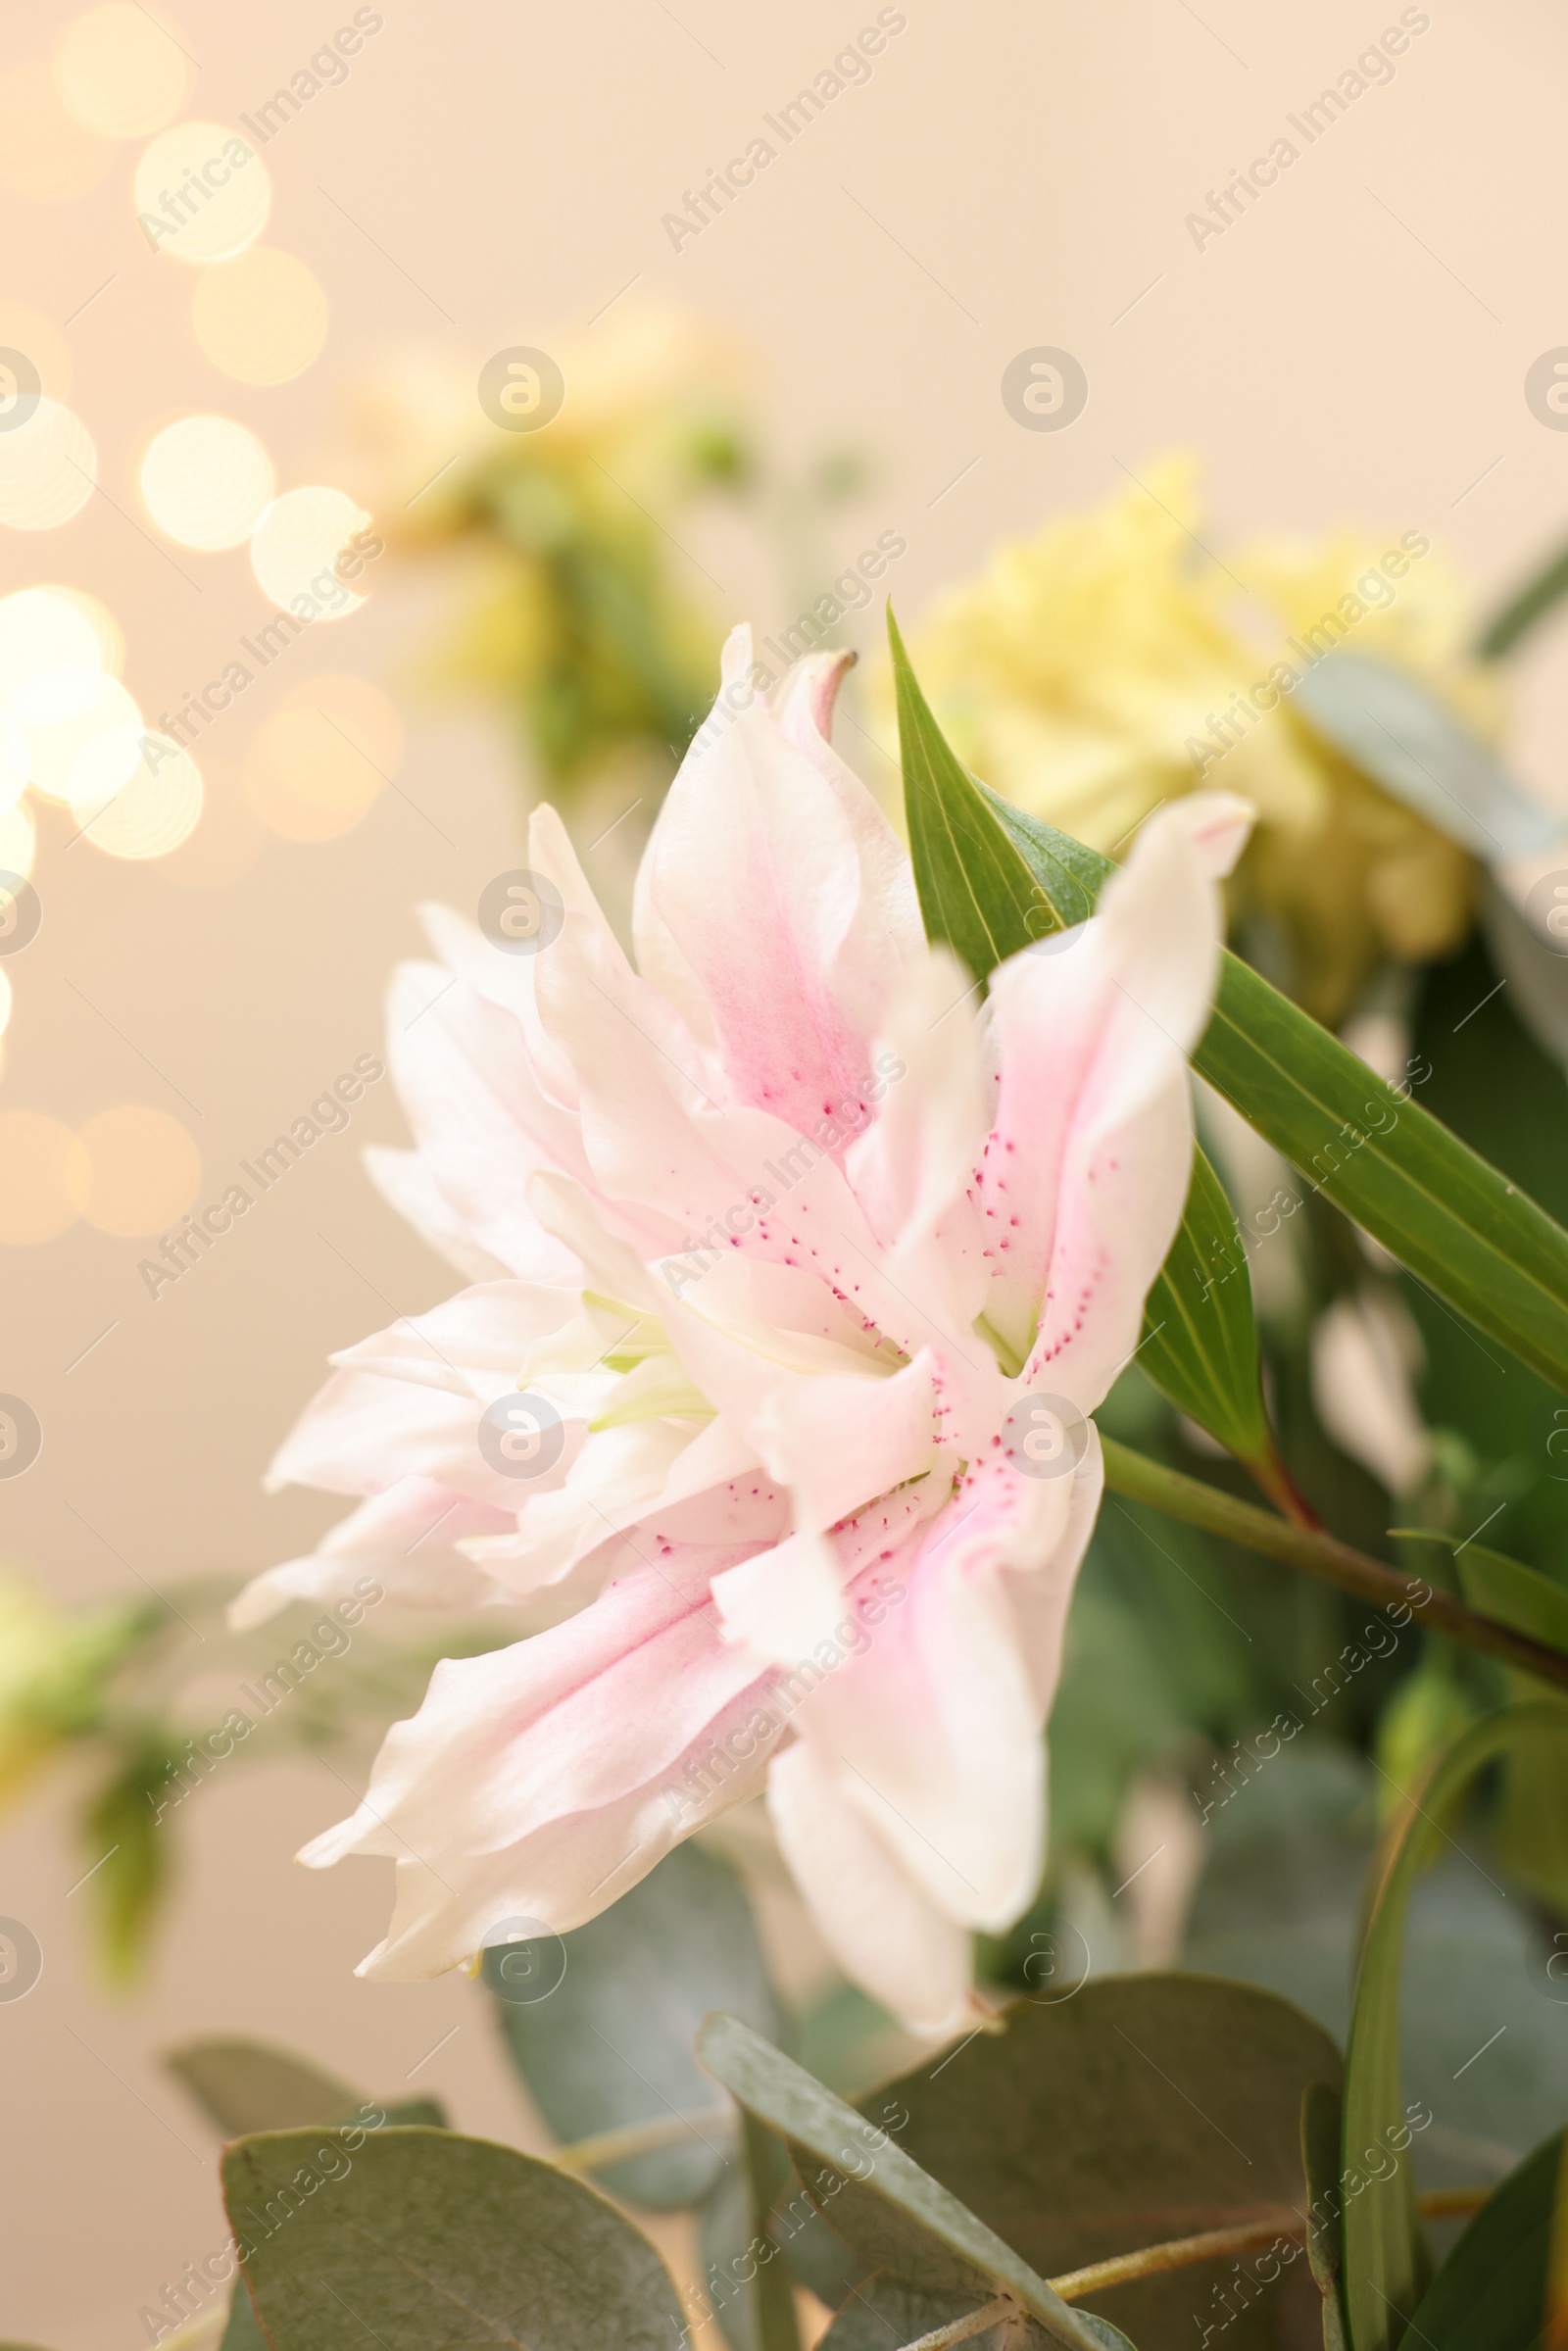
(1386, 2264)
(1490, 2293)
(1459, 1224)
(1199, 1341)
(991, 884)
(1455, 1222)
(1322, 2124)
(1513, 1595)
(1545, 588)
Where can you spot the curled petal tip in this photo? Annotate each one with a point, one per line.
(810, 691)
(1218, 824)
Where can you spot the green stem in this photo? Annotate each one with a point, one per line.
(635, 2139)
(1318, 1553)
(961, 2330)
(1218, 2244)
(1215, 2244)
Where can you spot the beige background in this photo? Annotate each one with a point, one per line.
(1012, 176)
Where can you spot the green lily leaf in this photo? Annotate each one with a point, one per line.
(424, 2237)
(607, 2043)
(1490, 2293)
(1513, 1595)
(1322, 2128)
(1386, 2269)
(993, 883)
(1199, 1341)
(876, 2196)
(1504, 1588)
(1459, 1226)
(1391, 727)
(1540, 594)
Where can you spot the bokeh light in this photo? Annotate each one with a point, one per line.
(16, 759)
(205, 481)
(260, 318)
(132, 1171)
(44, 152)
(150, 811)
(120, 71)
(5, 1002)
(54, 628)
(77, 714)
(201, 194)
(35, 1154)
(18, 840)
(48, 466)
(297, 543)
(224, 845)
(24, 329)
(314, 769)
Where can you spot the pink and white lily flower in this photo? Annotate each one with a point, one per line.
(797, 1269)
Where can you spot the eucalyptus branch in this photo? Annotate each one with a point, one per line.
(1220, 2244)
(637, 2139)
(1215, 2245)
(960, 2331)
(1316, 1552)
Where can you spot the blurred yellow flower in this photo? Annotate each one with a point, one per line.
(1114, 661)
(53, 1669)
(592, 619)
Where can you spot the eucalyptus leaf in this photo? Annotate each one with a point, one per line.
(611, 2044)
(1386, 2267)
(244, 2329)
(418, 2237)
(245, 2086)
(1536, 975)
(886, 2311)
(1138, 2109)
(1385, 723)
(1490, 2293)
(747, 2279)
(1458, 1225)
(875, 2195)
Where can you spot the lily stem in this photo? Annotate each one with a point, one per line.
(1281, 1490)
(1315, 1552)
